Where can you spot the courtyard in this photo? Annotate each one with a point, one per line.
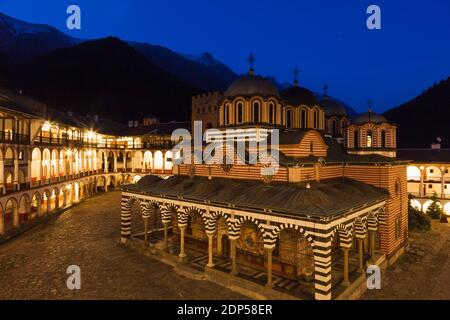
(33, 266)
(422, 273)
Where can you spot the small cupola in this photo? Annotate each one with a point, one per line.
(371, 133)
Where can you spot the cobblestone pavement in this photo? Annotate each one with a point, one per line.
(34, 265)
(421, 273)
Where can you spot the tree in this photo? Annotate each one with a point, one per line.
(417, 220)
(434, 210)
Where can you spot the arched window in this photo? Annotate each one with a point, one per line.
(334, 127)
(369, 139)
(356, 139)
(343, 124)
(240, 112)
(256, 113)
(271, 112)
(226, 114)
(383, 138)
(316, 119)
(289, 118)
(303, 118)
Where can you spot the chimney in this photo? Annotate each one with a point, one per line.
(435, 145)
(96, 117)
(130, 123)
(136, 123)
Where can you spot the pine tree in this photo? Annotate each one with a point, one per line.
(434, 210)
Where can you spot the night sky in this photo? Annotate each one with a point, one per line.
(328, 40)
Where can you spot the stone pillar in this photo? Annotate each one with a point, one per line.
(210, 250)
(269, 282)
(106, 164)
(166, 234)
(115, 163)
(16, 174)
(442, 182)
(372, 242)
(422, 177)
(182, 232)
(360, 255)
(28, 178)
(15, 217)
(146, 230)
(39, 207)
(219, 244)
(57, 163)
(2, 176)
(64, 198)
(233, 256)
(153, 163)
(49, 203)
(345, 282)
(2, 224)
(56, 202)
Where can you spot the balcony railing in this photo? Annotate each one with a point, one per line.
(11, 137)
(110, 145)
(427, 179)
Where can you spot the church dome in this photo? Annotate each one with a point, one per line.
(299, 95)
(249, 85)
(369, 117)
(333, 107)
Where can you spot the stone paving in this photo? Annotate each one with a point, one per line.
(421, 273)
(33, 266)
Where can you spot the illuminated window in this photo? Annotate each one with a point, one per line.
(369, 139)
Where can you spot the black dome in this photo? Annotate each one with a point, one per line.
(299, 95)
(333, 107)
(251, 85)
(369, 117)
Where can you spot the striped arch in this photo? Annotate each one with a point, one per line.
(345, 236)
(167, 211)
(125, 217)
(211, 222)
(272, 236)
(235, 227)
(148, 209)
(183, 216)
(381, 216)
(359, 227)
(372, 221)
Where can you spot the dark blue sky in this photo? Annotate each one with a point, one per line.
(327, 39)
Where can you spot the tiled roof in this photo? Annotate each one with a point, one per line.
(327, 198)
